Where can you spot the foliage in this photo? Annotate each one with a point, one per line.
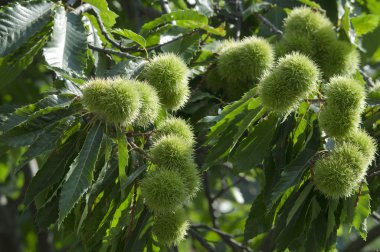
(197, 125)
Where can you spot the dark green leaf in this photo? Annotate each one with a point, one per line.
(362, 211)
(52, 171)
(67, 47)
(80, 175)
(186, 47)
(253, 148)
(19, 22)
(259, 220)
(42, 107)
(292, 173)
(47, 141)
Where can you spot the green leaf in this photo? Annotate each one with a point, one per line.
(310, 3)
(52, 171)
(292, 173)
(259, 220)
(253, 148)
(12, 65)
(300, 200)
(19, 22)
(132, 36)
(80, 175)
(47, 141)
(132, 177)
(362, 211)
(68, 44)
(108, 17)
(44, 106)
(186, 47)
(257, 8)
(183, 18)
(233, 122)
(26, 133)
(123, 158)
(365, 23)
(128, 68)
(345, 21)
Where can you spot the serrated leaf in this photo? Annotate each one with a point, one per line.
(365, 23)
(68, 45)
(132, 36)
(80, 175)
(258, 220)
(26, 133)
(183, 18)
(253, 148)
(51, 172)
(28, 112)
(19, 22)
(292, 173)
(46, 142)
(13, 64)
(108, 17)
(232, 123)
(362, 211)
(129, 69)
(300, 200)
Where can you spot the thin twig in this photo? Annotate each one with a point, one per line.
(315, 100)
(268, 23)
(367, 78)
(87, 7)
(138, 149)
(82, 8)
(359, 194)
(114, 52)
(201, 240)
(225, 236)
(206, 185)
(372, 174)
(227, 188)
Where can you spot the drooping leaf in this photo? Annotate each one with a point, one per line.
(19, 22)
(292, 173)
(259, 219)
(80, 175)
(27, 132)
(28, 112)
(252, 149)
(52, 171)
(230, 126)
(123, 158)
(48, 140)
(67, 46)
